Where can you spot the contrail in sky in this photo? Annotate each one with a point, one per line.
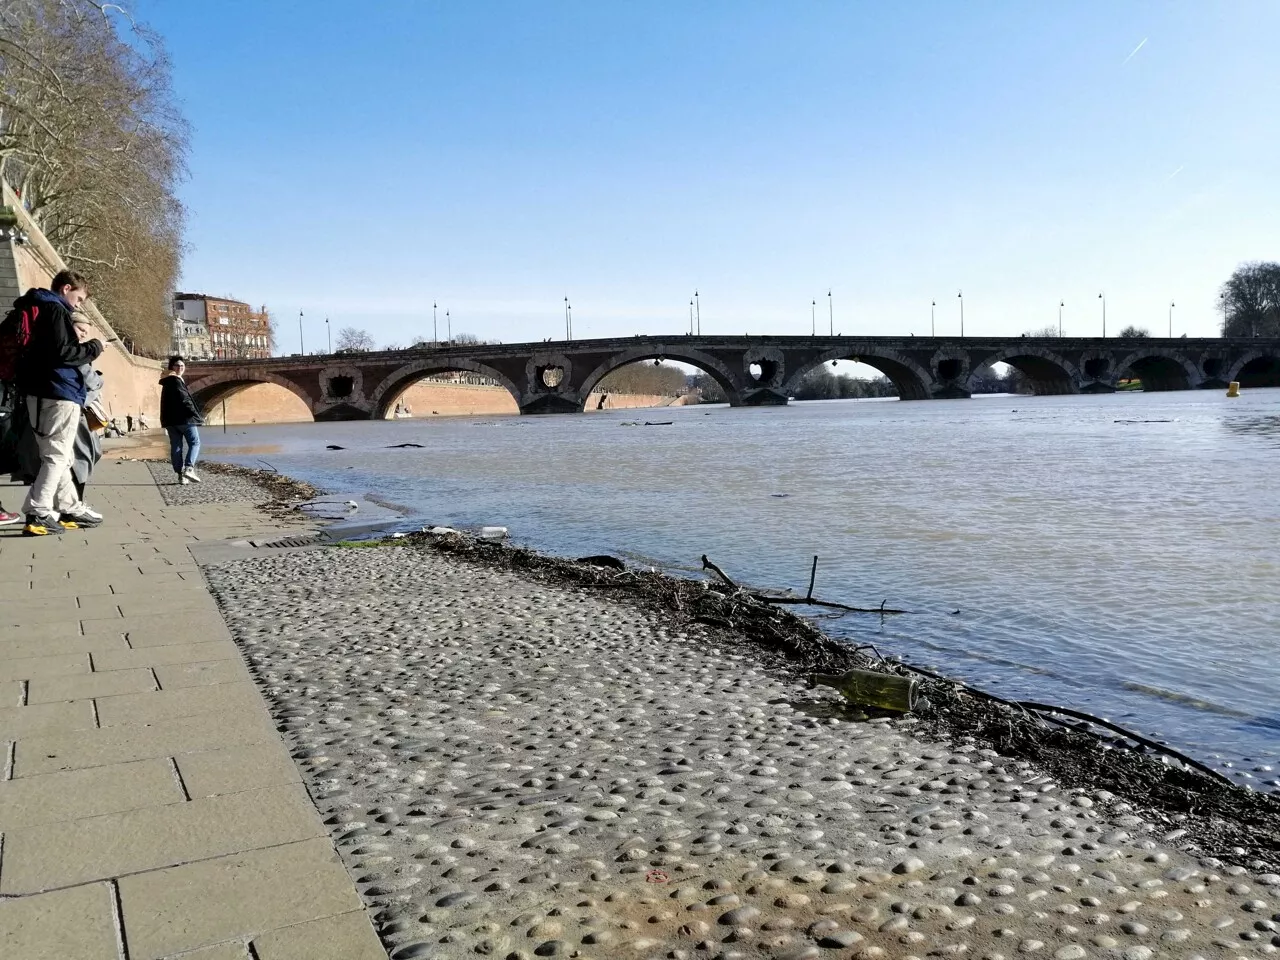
(1174, 174)
(1135, 50)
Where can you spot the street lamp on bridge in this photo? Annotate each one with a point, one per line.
(1061, 304)
(328, 332)
(933, 309)
(697, 305)
(813, 317)
(448, 320)
(435, 331)
(831, 317)
(1171, 305)
(691, 316)
(961, 296)
(568, 320)
(301, 346)
(1103, 298)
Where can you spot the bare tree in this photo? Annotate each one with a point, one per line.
(1250, 301)
(351, 338)
(92, 140)
(645, 378)
(1134, 332)
(1048, 331)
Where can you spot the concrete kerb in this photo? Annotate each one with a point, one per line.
(138, 754)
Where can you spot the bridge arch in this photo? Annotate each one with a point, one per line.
(1256, 368)
(708, 364)
(211, 390)
(395, 383)
(911, 379)
(1047, 371)
(1160, 369)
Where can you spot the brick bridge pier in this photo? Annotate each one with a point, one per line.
(557, 377)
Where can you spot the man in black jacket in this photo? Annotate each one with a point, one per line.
(50, 379)
(181, 419)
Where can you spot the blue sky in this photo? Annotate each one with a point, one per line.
(360, 161)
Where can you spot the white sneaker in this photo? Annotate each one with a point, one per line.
(88, 511)
(182, 479)
(190, 474)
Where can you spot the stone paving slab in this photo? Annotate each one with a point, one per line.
(48, 753)
(46, 718)
(126, 658)
(75, 924)
(28, 668)
(168, 911)
(85, 686)
(139, 763)
(49, 856)
(153, 707)
(215, 772)
(77, 794)
(180, 675)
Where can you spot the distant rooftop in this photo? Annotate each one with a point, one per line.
(206, 296)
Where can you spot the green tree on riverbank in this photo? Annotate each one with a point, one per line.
(1250, 301)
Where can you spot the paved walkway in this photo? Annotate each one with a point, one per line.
(148, 807)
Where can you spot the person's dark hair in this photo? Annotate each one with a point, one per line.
(68, 278)
(175, 360)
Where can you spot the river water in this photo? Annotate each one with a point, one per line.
(1119, 554)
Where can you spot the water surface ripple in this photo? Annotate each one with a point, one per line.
(1099, 558)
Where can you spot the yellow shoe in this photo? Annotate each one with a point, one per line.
(38, 526)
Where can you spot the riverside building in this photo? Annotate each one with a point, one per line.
(219, 328)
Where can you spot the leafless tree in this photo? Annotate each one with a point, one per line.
(92, 140)
(1047, 331)
(1250, 301)
(1134, 332)
(645, 377)
(351, 338)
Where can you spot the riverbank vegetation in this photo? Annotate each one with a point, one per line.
(94, 143)
(1250, 301)
(646, 377)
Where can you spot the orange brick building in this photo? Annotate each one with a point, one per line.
(235, 330)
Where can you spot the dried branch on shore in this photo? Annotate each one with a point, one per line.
(808, 600)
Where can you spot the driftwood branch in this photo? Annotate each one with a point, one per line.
(708, 565)
(806, 601)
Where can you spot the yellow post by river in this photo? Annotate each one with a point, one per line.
(1233, 388)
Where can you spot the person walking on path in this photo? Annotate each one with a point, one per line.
(54, 388)
(181, 419)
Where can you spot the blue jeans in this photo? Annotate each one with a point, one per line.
(190, 433)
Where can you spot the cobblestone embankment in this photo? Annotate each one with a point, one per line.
(516, 769)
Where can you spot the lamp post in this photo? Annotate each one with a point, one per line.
(961, 297)
(831, 317)
(435, 331)
(301, 346)
(933, 309)
(1103, 298)
(328, 332)
(568, 329)
(691, 317)
(1061, 304)
(448, 320)
(1171, 305)
(813, 318)
(697, 306)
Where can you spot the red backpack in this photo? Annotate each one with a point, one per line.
(15, 334)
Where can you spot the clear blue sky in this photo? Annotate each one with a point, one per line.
(362, 160)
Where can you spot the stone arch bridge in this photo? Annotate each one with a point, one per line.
(556, 377)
